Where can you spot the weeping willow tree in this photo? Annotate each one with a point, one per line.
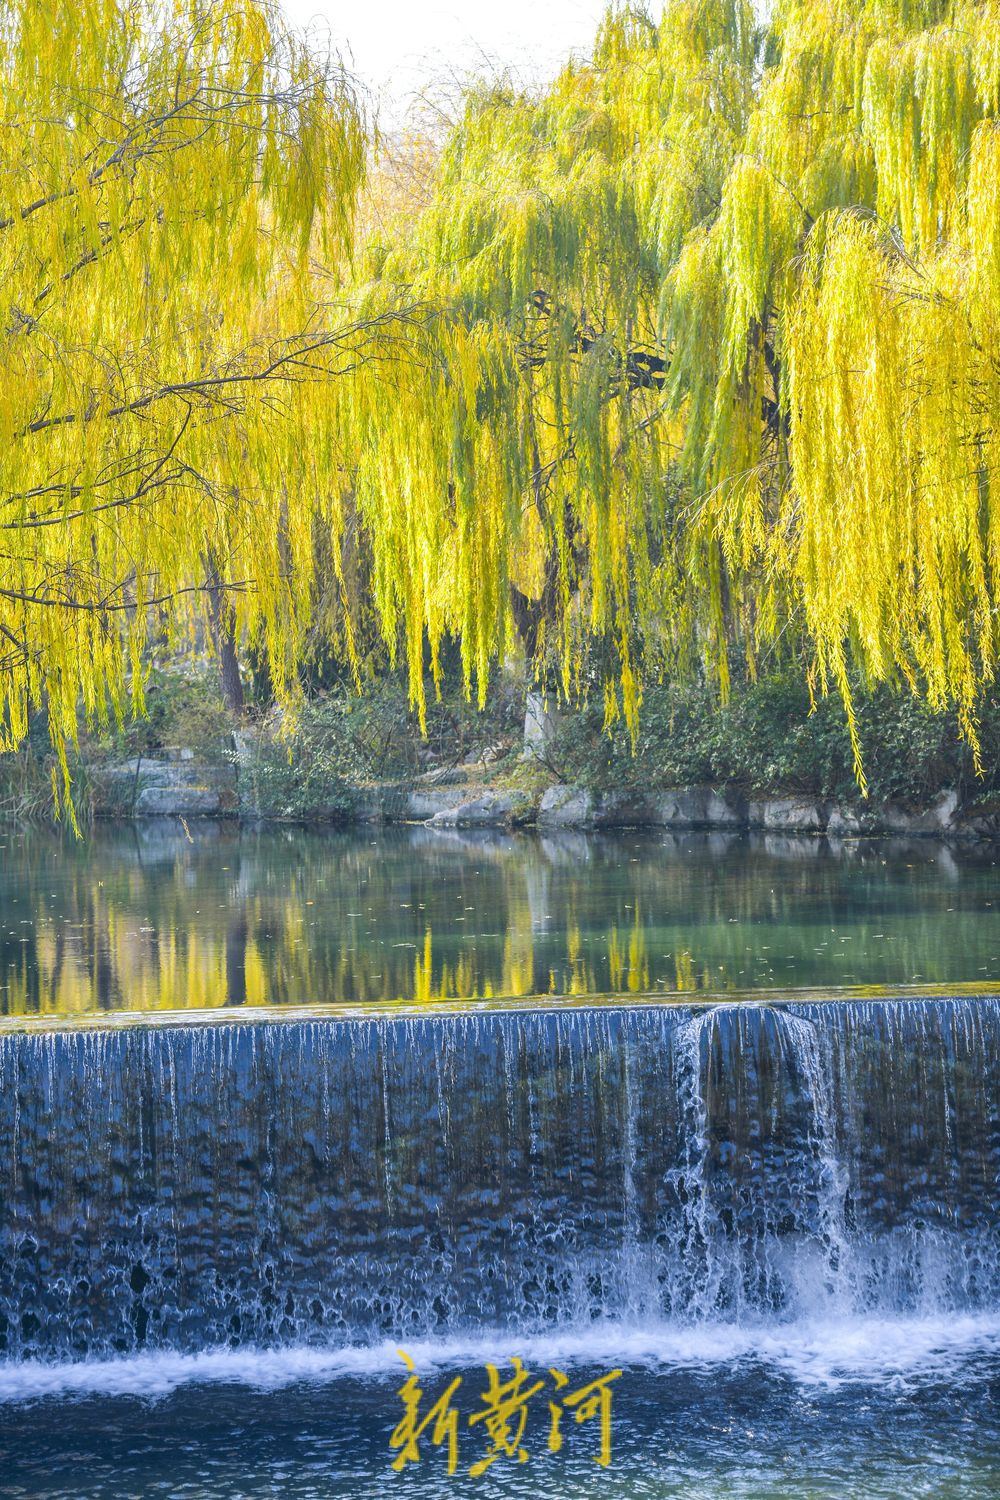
(714, 372)
(705, 366)
(177, 183)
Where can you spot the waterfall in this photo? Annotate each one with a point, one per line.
(333, 1182)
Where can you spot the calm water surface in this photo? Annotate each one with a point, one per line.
(148, 917)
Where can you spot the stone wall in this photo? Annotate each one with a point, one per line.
(704, 807)
(175, 784)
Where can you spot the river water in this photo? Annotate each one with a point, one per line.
(147, 918)
(651, 1146)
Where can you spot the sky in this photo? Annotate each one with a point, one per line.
(400, 47)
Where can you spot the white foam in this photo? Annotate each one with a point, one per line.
(828, 1353)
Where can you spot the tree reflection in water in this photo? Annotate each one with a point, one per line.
(145, 917)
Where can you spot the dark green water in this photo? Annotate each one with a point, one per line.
(149, 918)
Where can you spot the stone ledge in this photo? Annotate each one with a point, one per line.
(686, 807)
(178, 787)
(788, 814)
(568, 806)
(491, 810)
(174, 784)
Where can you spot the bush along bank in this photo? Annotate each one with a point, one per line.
(766, 760)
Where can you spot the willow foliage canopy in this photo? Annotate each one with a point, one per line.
(173, 176)
(716, 373)
(706, 366)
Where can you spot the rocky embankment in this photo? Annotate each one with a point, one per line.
(171, 784)
(175, 783)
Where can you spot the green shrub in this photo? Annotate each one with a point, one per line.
(767, 739)
(184, 707)
(343, 742)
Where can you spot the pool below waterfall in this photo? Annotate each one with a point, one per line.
(230, 1235)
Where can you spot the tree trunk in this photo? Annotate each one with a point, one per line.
(222, 623)
(539, 725)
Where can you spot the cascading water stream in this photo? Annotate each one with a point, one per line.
(746, 1271)
(334, 1184)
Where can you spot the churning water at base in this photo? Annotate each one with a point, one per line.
(687, 1432)
(757, 1210)
(905, 1352)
